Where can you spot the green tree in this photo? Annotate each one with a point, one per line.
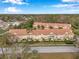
(34, 55)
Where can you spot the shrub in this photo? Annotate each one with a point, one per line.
(68, 41)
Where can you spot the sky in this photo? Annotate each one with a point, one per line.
(39, 6)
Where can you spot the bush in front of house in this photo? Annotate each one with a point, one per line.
(68, 41)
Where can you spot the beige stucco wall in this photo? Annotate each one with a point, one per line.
(39, 37)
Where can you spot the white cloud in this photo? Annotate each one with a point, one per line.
(12, 10)
(64, 6)
(15, 2)
(70, 0)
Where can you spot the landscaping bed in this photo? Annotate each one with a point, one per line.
(47, 43)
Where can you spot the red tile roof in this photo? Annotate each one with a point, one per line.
(21, 32)
(52, 24)
(18, 32)
(51, 31)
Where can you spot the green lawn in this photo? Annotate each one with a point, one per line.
(47, 42)
(57, 56)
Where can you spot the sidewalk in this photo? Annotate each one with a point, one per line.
(38, 45)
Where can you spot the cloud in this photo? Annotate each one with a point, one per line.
(70, 0)
(15, 2)
(64, 6)
(12, 10)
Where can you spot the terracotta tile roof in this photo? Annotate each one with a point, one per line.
(18, 32)
(52, 24)
(21, 32)
(51, 31)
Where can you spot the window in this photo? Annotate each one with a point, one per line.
(50, 27)
(60, 27)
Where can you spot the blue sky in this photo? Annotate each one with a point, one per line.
(39, 6)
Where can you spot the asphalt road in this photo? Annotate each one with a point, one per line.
(52, 49)
(55, 49)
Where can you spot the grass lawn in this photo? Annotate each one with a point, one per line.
(52, 56)
(46, 42)
(51, 43)
(57, 56)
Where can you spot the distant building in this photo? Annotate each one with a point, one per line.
(3, 25)
(16, 23)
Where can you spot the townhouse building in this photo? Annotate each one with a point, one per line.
(58, 31)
